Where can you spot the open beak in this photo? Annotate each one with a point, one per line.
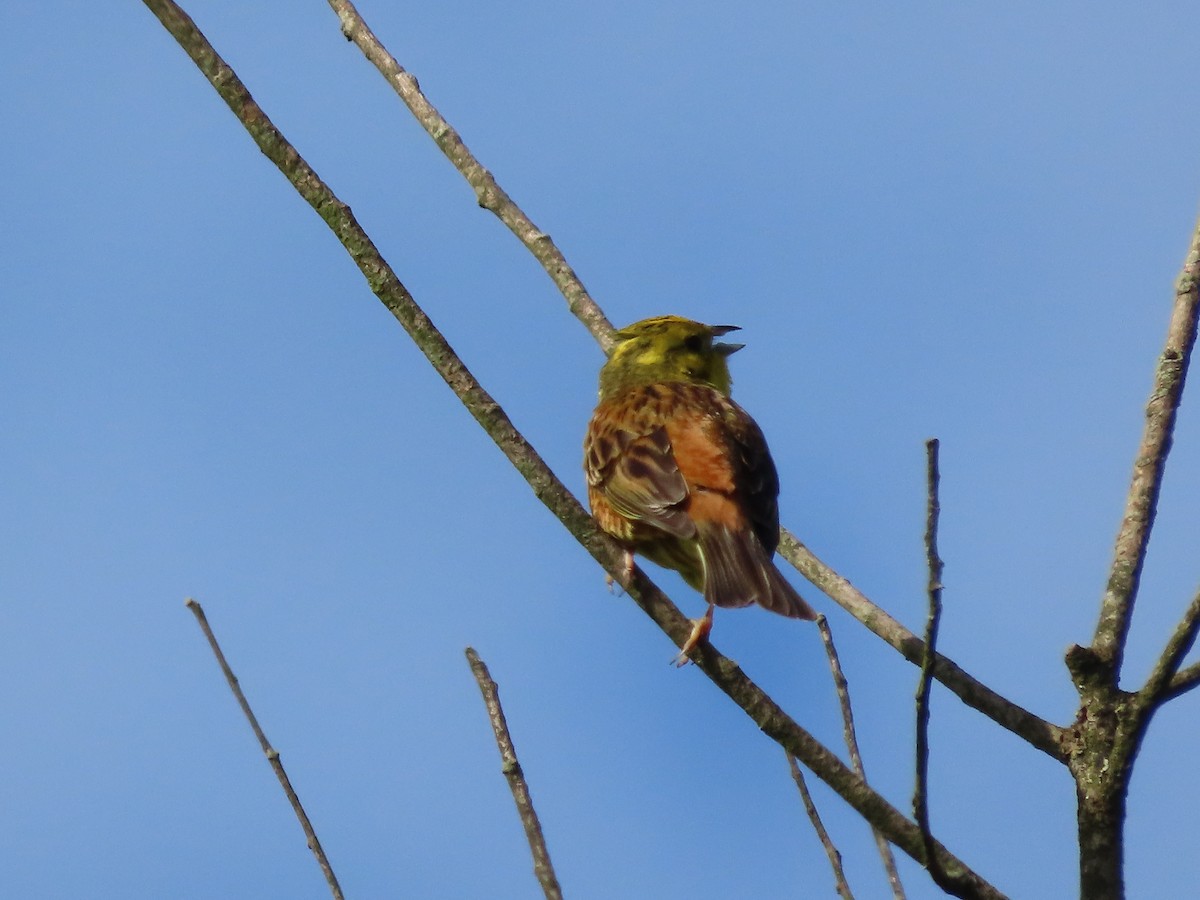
(725, 349)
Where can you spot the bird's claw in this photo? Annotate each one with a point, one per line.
(614, 586)
(700, 630)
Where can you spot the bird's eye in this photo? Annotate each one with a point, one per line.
(695, 343)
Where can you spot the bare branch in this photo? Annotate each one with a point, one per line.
(835, 857)
(489, 194)
(1129, 555)
(934, 562)
(842, 687)
(1041, 734)
(511, 768)
(1183, 682)
(314, 844)
(769, 717)
(1158, 687)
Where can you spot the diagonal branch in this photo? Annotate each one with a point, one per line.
(1158, 685)
(513, 774)
(1129, 554)
(835, 857)
(384, 283)
(489, 194)
(310, 834)
(1184, 681)
(842, 689)
(1041, 734)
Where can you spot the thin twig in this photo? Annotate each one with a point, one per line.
(1184, 681)
(1158, 685)
(488, 193)
(511, 767)
(1041, 734)
(724, 673)
(314, 844)
(921, 791)
(842, 687)
(835, 857)
(1129, 554)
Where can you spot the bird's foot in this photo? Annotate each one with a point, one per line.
(614, 586)
(700, 629)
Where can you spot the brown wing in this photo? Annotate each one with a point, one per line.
(631, 464)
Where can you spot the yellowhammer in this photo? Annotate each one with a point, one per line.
(680, 473)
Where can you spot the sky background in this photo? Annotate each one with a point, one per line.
(931, 219)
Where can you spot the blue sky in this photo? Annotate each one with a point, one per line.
(937, 220)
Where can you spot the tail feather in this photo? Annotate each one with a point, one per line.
(738, 571)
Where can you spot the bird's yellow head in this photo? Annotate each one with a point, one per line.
(668, 349)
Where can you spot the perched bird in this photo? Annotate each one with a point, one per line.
(681, 474)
